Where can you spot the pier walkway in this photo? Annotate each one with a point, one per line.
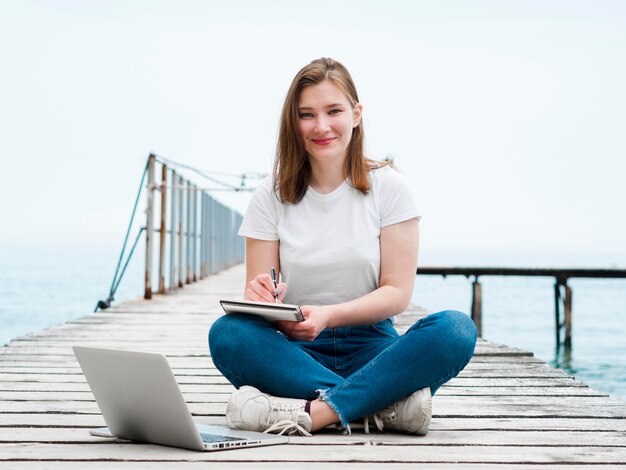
(506, 409)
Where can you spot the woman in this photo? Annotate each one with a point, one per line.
(343, 232)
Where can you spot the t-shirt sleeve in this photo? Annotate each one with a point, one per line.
(395, 201)
(263, 213)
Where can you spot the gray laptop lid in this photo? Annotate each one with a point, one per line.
(140, 400)
(139, 397)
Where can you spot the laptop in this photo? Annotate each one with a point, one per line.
(140, 400)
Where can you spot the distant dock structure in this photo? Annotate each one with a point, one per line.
(563, 294)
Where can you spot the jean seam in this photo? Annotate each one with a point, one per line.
(381, 331)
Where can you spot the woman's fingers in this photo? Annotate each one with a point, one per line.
(280, 290)
(316, 319)
(261, 289)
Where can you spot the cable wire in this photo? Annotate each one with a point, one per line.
(167, 161)
(103, 304)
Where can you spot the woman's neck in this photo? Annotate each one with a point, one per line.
(326, 176)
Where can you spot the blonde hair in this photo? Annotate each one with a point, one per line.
(292, 169)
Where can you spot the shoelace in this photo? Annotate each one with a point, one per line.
(379, 419)
(285, 418)
(287, 425)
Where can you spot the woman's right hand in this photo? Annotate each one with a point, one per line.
(261, 289)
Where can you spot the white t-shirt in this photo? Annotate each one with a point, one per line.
(330, 243)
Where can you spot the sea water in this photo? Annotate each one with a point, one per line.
(45, 286)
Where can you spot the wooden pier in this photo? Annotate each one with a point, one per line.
(506, 409)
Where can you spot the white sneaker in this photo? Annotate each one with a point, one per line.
(252, 410)
(411, 414)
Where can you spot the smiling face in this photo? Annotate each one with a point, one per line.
(326, 118)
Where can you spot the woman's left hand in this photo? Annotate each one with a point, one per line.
(316, 318)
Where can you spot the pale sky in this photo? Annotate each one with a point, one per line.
(506, 117)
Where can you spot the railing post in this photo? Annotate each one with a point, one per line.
(211, 235)
(181, 214)
(173, 228)
(162, 229)
(188, 237)
(149, 228)
(203, 232)
(477, 307)
(223, 231)
(194, 251)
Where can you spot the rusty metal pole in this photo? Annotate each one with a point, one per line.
(162, 229)
(194, 233)
(211, 235)
(202, 235)
(173, 227)
(181, 214)
(477, 306)
(149, 228)
(188, 237)
(568, 316)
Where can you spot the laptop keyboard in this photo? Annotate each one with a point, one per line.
(209, 438)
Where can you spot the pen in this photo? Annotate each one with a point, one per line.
(274, 280)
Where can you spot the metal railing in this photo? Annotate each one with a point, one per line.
(197, 236)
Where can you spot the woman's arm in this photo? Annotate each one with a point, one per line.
(399, 244)
(261, 256)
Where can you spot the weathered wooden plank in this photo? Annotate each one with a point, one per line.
(56, 387)
(16, 372)
(202, 366)
(188, 380)
(477, 389)
(103, 465)
(10, 374)
(520, 391)
(442, 406)
(310, 453)
(202, 393)
(469, 423)
(35, 420)
(88, 396)
(466, 438)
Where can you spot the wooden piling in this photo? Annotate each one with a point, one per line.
(557, 313)
(567, 342)
(477, 306)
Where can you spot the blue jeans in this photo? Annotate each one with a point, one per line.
(356, 370)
